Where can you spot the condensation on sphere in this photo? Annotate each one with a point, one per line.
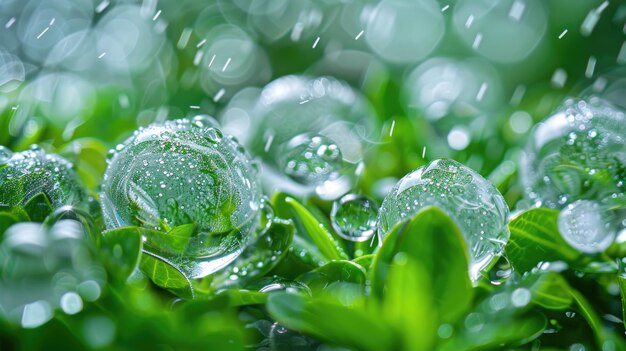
(476, 206)
(33, 171)
(587, 226)
(181, 172)
(578, 153)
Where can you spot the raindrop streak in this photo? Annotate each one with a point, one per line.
(579, 153)
(28, 173)
(471, 201)
(587, 226)
(182, 172)
(354, 217)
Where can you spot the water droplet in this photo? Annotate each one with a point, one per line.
(292, 106)
(311, 159)
(34, 171)
(5, 155)
(71, 303)
(578, 153)
(501, 271)
(354, 217)
(471, 201)
(219, 194)
(587, 226)
(520, 297)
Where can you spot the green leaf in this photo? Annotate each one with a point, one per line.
(238, 297)
(320, 236)
(621, 280)
(9, 216)
(165, 275)
(38, 207)
(365, 261)
(409, 303)
(121, 250)
(535, 238)
(336, 271)
(433, 241)
(339, 280)
(331, 321)
(173, 242)
(256, 260)
(88, 155)
(549, 290)
(497, 334)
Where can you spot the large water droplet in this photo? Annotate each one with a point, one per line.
(587, 226)
(578, 153)
(472, 202)
(293, 106)
(28, 173)
(182, 172)
(354, 217)
(311, 159)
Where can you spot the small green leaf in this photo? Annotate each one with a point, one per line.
(256, 260)
(238, 297)
(433, 241)
(121, 250)
(320, 236)
(535, 238)
(497, 334)
(549, 290)
(340, 280)
(365, 261)
(331, 321)
(9, 216)
(165, 275)
(409, 303)
(38, 207)
(621, 280)
(173, 242)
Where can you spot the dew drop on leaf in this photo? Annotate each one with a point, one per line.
(354, 217)
(476, 206)
(185, 172)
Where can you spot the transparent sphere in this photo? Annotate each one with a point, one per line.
(297, 115)
(505, 31)
(575, 160)
(587, 226)
(476, 206)
(181, 172)
(354, 217)
(404, 31)
(28, 173)
(311, 159)
(578, 153)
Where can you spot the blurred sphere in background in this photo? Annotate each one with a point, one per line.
(504, 31)
(442, 87)
(404, 31)
(325, 119)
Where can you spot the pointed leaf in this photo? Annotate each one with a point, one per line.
(165, 275)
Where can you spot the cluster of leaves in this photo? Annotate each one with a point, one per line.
(305, 288)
